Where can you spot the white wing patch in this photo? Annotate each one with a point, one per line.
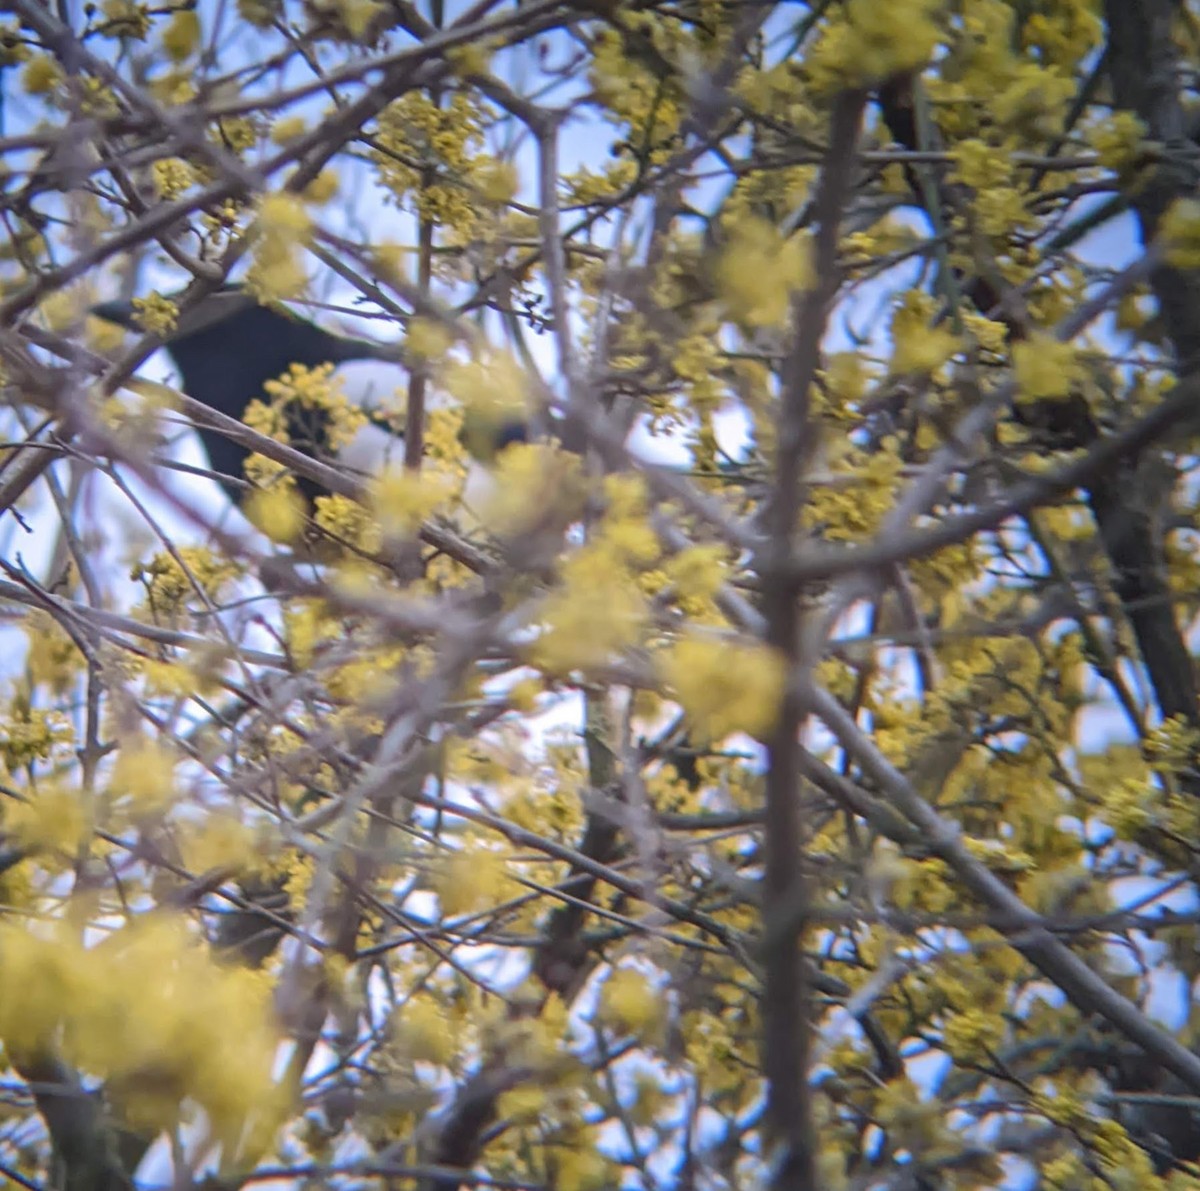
(372, 450)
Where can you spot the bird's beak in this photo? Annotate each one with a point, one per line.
(118, 312)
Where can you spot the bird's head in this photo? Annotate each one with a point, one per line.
(214, 309)
(227, 347)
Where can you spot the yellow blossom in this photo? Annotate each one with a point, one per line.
(53, 657)
(30, 734)
(428, 339)
(493, 390)
(357, 15)
(698, 571)
(630, 1003)
(725, 686)
(424, 1031)
(284, 227)
(103, 336)
(261, 13)
(923, 350)
(873, 41)
(472, 879)
(322, 188)
(172, 176)
(1045, 368)
(581, 1168)
(182, 34)
(596, 612)
(535, 486)
(1032, 102)
(221, 841)
(496, 181)
(288, 128)
(126, 18)
(156, 314)
(52, 817)
(144, 772)
(41, 75)
(1179, 233)
(63, 309)
(148, 1011)
(522, 1103)
(171, 678)
(981, 165)
(171, 578)
(759, 270)
(402, 499)
(919, 346)
(1117, 140)
(278, 511)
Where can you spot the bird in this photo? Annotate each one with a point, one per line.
(228, 346)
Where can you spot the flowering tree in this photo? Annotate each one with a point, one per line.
(786, 775)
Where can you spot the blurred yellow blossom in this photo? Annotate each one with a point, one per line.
(1179, 233)
(424, 1032)
(759, 270)
(472, 879)
(873, 41)
(1045, 368)
(402, 499)
(182, 35)
(630, 1003)
(278, 511)
(144, 773)
(724, 686)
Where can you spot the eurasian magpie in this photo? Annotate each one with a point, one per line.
(228, 346)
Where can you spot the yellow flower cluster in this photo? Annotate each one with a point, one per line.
(402, 500)
(634, 91)
(492, 391)
(351, 522)
(869, 42)
(42, 75)
(724, 686)
(181, 37)
(986, 85)
(125, 18)
(424, 1032)
(425, 157)
(918, 346)
(284, 227)
(759, 271)
(29, 734)
(630, 1003)
(156, 314)
(52, 820)
(1179, 233)
(260, 13)
(172, 176)
(53, 658)
(596, 611)
(148, 1011)
(471, 880)
(1046, 369)
(1117, 140)
(850, 513)
(168, 585)
(143, 774)
(302, 396)
(278, 511)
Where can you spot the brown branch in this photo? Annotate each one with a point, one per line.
(787, 1007)
(1086, 990)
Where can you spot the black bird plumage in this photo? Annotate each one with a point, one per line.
(228, 347)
